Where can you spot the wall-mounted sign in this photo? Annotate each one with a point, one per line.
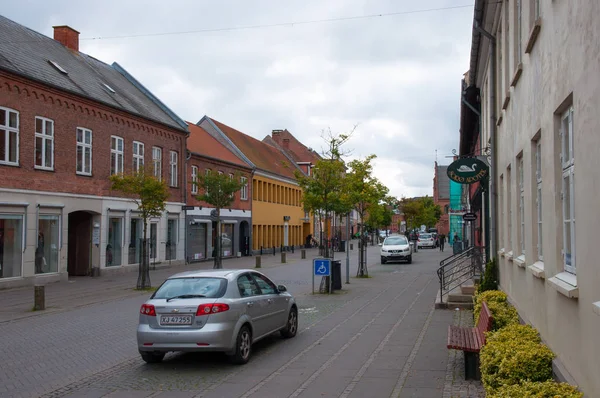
(470, 216)
(467, 170)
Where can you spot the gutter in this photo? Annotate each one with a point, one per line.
(478, 32)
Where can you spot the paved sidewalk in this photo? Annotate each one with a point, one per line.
(82, 291)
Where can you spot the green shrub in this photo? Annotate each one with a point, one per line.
(489, 280)
(504, 314)
(514, 332)
(487, 296)
(546, 389)
(511, 356)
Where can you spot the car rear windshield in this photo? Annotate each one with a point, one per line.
(396, 240)
(425, 236)
(208, 287)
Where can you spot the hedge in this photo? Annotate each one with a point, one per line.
(546, 389)
(513, 355)
(488, 296)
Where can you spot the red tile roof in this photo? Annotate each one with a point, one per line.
(264, 156)
(204, 144)
(297, 150)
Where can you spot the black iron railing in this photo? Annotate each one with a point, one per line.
(456, 270)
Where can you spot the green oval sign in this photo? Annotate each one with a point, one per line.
(467, 171)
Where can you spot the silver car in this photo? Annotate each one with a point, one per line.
(217, 310)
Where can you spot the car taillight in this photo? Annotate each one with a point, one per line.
(207, 309)
(148, 309)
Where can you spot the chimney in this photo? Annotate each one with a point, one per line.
(67, 36)
(276, 135)
(286, 143)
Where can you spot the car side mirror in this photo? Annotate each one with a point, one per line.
(281, 288)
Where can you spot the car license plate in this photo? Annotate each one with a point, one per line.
(176, 320)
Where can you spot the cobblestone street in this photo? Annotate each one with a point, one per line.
(379, 336)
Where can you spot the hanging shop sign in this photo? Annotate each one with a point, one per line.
(467, 170)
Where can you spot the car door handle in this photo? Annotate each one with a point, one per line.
(250, 304)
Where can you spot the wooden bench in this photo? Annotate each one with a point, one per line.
(470, 341)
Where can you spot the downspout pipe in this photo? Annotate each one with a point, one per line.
(493, 137)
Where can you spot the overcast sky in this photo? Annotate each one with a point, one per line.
(397, 77)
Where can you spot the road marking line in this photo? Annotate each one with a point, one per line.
(379, 348)
(317, 342)
(323, 367)
(412, 356)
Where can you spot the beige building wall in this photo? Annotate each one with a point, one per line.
(544, 81)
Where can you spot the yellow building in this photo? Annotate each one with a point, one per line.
(278, 218)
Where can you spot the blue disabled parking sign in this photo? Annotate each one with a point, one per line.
(322, 267)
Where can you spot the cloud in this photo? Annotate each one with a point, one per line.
(397, 77)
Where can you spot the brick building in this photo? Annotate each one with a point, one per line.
(67, 122)
(207, 154)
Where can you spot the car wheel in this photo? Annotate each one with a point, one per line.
(409, 260)
(291, 327)
(383, 260)
(243, 346)
(152, 357)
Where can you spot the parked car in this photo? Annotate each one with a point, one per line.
(395, 248)
(426, 240)
(215, 310)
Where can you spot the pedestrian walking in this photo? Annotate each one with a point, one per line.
(442, 241)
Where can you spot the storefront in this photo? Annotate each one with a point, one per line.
(202, 234)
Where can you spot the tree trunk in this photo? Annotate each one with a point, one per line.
(144, 267)
(362, 252)
(218, 263)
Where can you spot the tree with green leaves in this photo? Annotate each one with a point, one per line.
(218, 190)
(421, 211)
(151, 196)
(366, 193)
(322, 191)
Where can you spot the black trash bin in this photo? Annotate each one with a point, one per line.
(457, 247)
(342, 246)
(336, 275)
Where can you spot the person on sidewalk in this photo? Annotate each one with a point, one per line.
(442, 241)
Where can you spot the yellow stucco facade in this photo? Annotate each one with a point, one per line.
(273, 201)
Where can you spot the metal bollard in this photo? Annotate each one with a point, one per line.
(351, 246)
(258, 259)
(283, 257)
(303, 254)
(273, 250)
(292, 248)
(261, 248)
(39, 297)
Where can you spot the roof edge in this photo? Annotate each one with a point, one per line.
(149, 94)
(86, 97)
(239, 153)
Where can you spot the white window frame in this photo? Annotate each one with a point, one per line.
(194, 179)
(521, 205)
(173, 159)
(538, 198)
(10, 131)
(116, 167)
(157, 162)
(244, 190)
(138, 156)
(86, 148)
(509, 208)
(44, 136)
(567, 160)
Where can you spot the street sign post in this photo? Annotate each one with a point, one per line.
(321, 267)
